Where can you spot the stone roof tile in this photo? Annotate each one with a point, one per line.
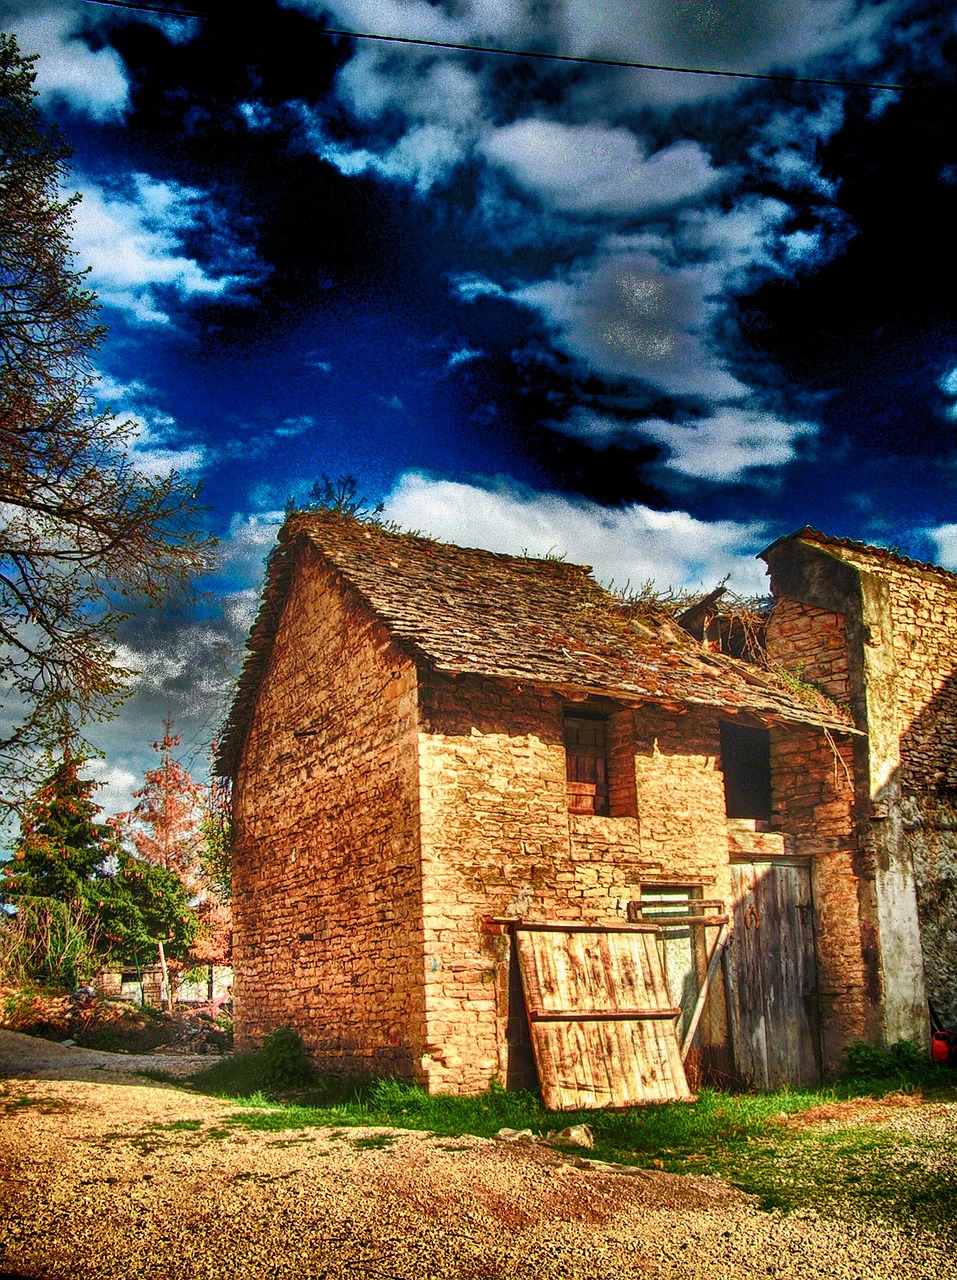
(462, 610)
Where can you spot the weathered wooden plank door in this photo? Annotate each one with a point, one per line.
(773, 975)
(601, 1019)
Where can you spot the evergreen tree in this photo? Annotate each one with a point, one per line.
(80, 528)
(62, 845)
(138, 910)
(143, 910)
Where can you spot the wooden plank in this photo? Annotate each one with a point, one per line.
(603, 1029)
(541, 926)
(606, 1015)
(750, 1049)
(665, 922)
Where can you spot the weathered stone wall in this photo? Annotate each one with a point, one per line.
(815, 802)
(924, 612)
(498, 841)
(811, 643)
(812, 785)
(327, 887)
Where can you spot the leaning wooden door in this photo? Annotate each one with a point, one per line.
(773, 996)
(601, 1020)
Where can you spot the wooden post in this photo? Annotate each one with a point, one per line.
(719, 946)
(168, 1001)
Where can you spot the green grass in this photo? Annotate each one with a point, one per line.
(860, 1170)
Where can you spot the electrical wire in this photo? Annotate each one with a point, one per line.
(577, 59)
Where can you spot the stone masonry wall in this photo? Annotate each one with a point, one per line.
(911, 616)
(498, 841)
(812, 644)
(813, 784)
(327, 888)
(924, 612)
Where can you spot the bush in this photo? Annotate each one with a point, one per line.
(902, 1060)
(282, 1062)
(48, 942)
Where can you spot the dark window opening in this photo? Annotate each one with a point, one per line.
(586, 764)
(746, 761)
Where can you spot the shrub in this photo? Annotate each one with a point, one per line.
(282, 1061)
(49, 942)
(901, 1060)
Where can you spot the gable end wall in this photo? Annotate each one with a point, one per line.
(326, 883)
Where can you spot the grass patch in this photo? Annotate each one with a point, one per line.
(375, 1142)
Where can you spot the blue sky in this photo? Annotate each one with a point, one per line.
(650, 321)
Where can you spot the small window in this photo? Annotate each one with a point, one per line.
(746, 761)
(586, 764)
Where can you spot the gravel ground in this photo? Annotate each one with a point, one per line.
(91, 1189)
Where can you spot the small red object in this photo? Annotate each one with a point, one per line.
(939, 1046)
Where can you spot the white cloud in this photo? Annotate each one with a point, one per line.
(731, 35)
(722, 448)
(945, 537)
(115, 786)
(155, 447)
(948, 384)
(624, 544)
(297, 425)
(628, 315)
(464, 356)
(90, 81)
(594, 169)
(134, 246)
(423, 157)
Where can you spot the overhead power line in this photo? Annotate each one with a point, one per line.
(577, 59)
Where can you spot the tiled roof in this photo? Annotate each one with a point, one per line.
(879, 554)
(460, 610)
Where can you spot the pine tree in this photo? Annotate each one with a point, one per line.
(138, 909)
(165, 825)
(62, 845)
(143, 913)
(80, 528)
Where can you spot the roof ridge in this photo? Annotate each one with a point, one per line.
(372, 528)
(809, 534)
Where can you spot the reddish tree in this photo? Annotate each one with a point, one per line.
(166, 827)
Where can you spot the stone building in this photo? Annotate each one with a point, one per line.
(435, 749)
(879, 633)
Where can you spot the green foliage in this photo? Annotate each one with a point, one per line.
(82, 528)
(283, 1061)
(216, 854)
(904, 1062)
(65, 854)
(280, 1067)
(139, 906)
(62, 845)
(341, 495)
(47, 941)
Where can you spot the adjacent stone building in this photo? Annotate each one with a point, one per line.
(430, 742)
(879, 633)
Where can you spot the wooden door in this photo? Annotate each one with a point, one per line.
(773, 976)
(601, 1020)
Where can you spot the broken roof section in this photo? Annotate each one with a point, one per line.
(465, 611)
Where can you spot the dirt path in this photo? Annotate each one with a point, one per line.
(96, 1184)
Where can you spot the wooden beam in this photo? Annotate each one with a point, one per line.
(719, 945)
(535, 926)
(605, 1015)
